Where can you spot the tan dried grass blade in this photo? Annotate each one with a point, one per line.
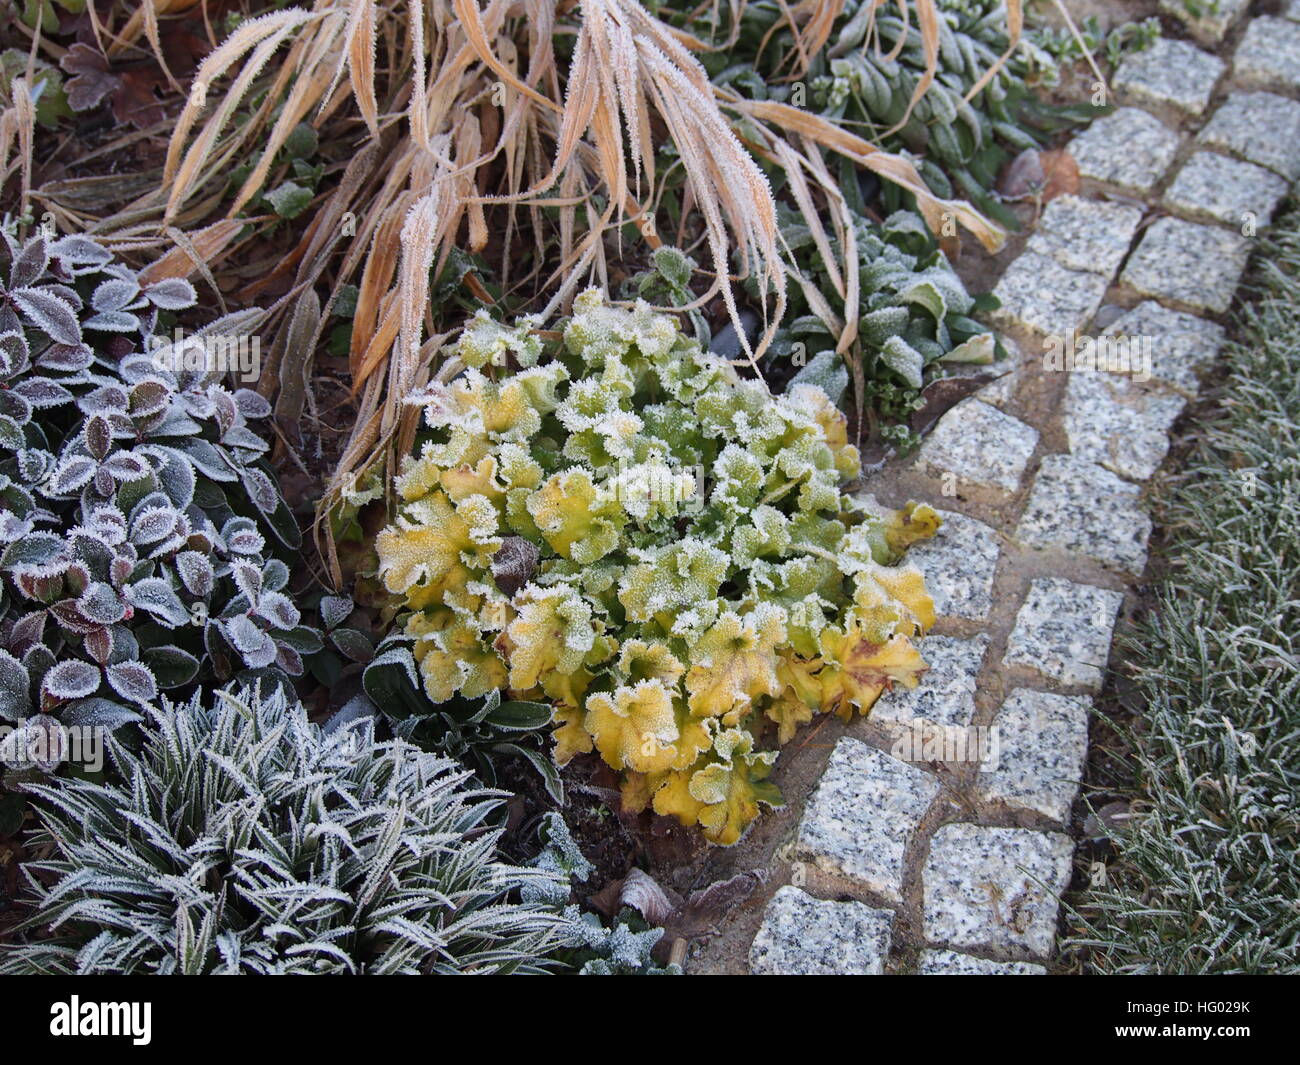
(196, 254)
(897, 169)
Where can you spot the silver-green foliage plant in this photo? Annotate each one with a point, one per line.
(135, 500)
(244, 839)
(619, 949)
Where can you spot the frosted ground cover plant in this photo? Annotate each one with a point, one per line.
(138, 517)
(625, 528)
(241, 838)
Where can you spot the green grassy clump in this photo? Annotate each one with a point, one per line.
(1206, 877)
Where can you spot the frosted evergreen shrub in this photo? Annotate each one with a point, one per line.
(137, 512)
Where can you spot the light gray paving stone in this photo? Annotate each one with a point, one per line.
(1130, 149)
(999, 393)
(1260, 127)
(1063, 631)
(1118, 423)
(958, 564)
(1268, 56)
(804, 936)
(1089, 235)
(1188, 263)
(950, 963)
(980, 445)
(862, 816)
(1179, 344)
(997, 888)
(1039, 294)
(1173, 74)
(946, 693)
(1042, 742)
(1212, 22)
(1227, 190)
(1077, 506)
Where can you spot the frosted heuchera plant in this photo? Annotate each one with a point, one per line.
(660, 548)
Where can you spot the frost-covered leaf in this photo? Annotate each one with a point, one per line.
(126, 466)
(42, 393)
(14, 353)
(11, 434)
(69, 680)
(248, 579)
(76, 250)
(171, 666)
(114, 294)
(15, 691)
(37, 549)
(98, 435)
(904, 360)
(100, 603)
(38, 743)
(335, 609)
(275, 575)
(152, 524)
(196, 572)
(354, 644)
(241, 537)
(71, 474)
(207, 459)
(252, 405)
(261, 490)
(52, 316)
(133, 681)
(154, 595)
(66, 358)
(253, 643)
(278, 609)
(172, 294)
(98, 712)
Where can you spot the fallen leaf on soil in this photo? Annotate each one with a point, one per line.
(642, 893)
(943, 394)
(690, 918)
(1040, 175)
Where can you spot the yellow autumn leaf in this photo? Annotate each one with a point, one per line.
(637, 789)
(466, 480)
(576, 521)
(419, 476)
(913, 522)
(731, 790)
(799, 697)
(567, 689)
(455, 659)
(500, 411)
(673, 798)
(735, 662)
(571, 738)
(421, 554)
(858, 669)
(834, 425)
(639, 660)
(892, 599)
(553, 632)
(638, 728)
